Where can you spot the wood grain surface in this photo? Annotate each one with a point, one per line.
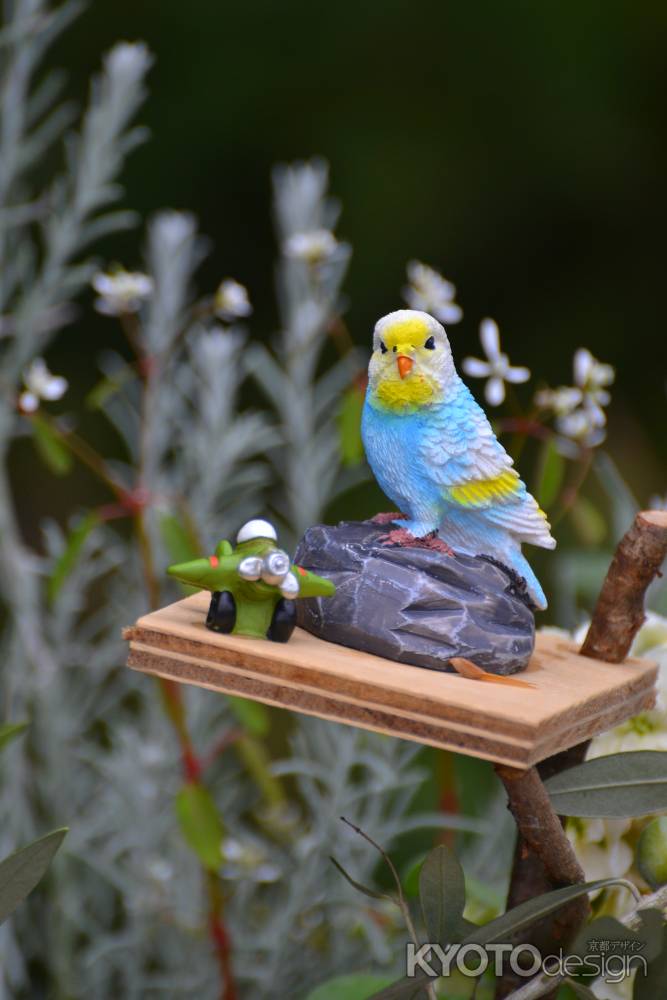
(573, 698)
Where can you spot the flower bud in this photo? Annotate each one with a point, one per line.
(652, 852)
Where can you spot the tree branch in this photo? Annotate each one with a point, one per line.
(544, 858)
(619, 612)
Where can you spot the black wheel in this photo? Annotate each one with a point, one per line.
(283, 621)
(221, 615)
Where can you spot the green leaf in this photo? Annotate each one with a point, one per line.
(622, 502)
(21, 871)
(619, 785)
(50, 448)
(566, 992)
(349, 426)
(178, 541)
(647, 937)
(526, 914)
(253, 716)
(442, 895)
(108, 387)
(200, 824)
(652, 985)
(476, 784)
(354, 987)
(67, 561)
(410, 877)
(9, 731)
(503, 929)
(550, 475)
(358, 885)
(580, 990)
(651, 852)
(588, 521)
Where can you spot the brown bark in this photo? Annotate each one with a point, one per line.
(544, 859)
(619, 612)
(540, 827)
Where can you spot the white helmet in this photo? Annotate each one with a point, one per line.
(256, 529)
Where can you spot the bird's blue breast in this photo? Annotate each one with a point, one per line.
(392, 443)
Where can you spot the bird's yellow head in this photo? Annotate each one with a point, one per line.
(411, 362)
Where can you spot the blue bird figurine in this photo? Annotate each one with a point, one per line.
(434, 454)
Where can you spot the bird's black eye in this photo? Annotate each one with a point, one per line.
(430, 344)
(394, 349)
(383, 347)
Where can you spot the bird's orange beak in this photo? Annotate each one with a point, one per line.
(404, 365)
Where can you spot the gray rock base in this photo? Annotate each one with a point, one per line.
(415, 605)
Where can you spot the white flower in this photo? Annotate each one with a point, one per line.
(231, 300)
(121, 292)
(561, 401)
(582, 425)
(605, 847)
(578, 408)
(592, 376)
(313, 246)
(431, 293)
(497, 368)
(40, 384)
(600, 847)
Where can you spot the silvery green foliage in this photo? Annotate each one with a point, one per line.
(196, 455)
(128, 893)
(101, 758)
(307, 925)
(39, 276)
(123, 913)
(311, 270)
(219, 469)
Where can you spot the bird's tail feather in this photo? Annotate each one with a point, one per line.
(477, 539)
(518, 562)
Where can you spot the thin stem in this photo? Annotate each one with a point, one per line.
(256, 761)
(571, 491)
(525, 426)
(85, 453)
(172, 700)
(132, 330)
(400, 900)
(220, 936)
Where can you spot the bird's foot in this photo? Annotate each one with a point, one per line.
(387, 518)
(401, 536)
(437, 544)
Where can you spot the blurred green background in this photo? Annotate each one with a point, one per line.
(520, 148)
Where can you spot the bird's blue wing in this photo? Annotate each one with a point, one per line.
(463, 455)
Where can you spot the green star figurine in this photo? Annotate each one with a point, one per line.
(254, 584)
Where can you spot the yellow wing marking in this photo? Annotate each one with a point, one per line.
(478, 492)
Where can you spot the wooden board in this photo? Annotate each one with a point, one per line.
(573, 699)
